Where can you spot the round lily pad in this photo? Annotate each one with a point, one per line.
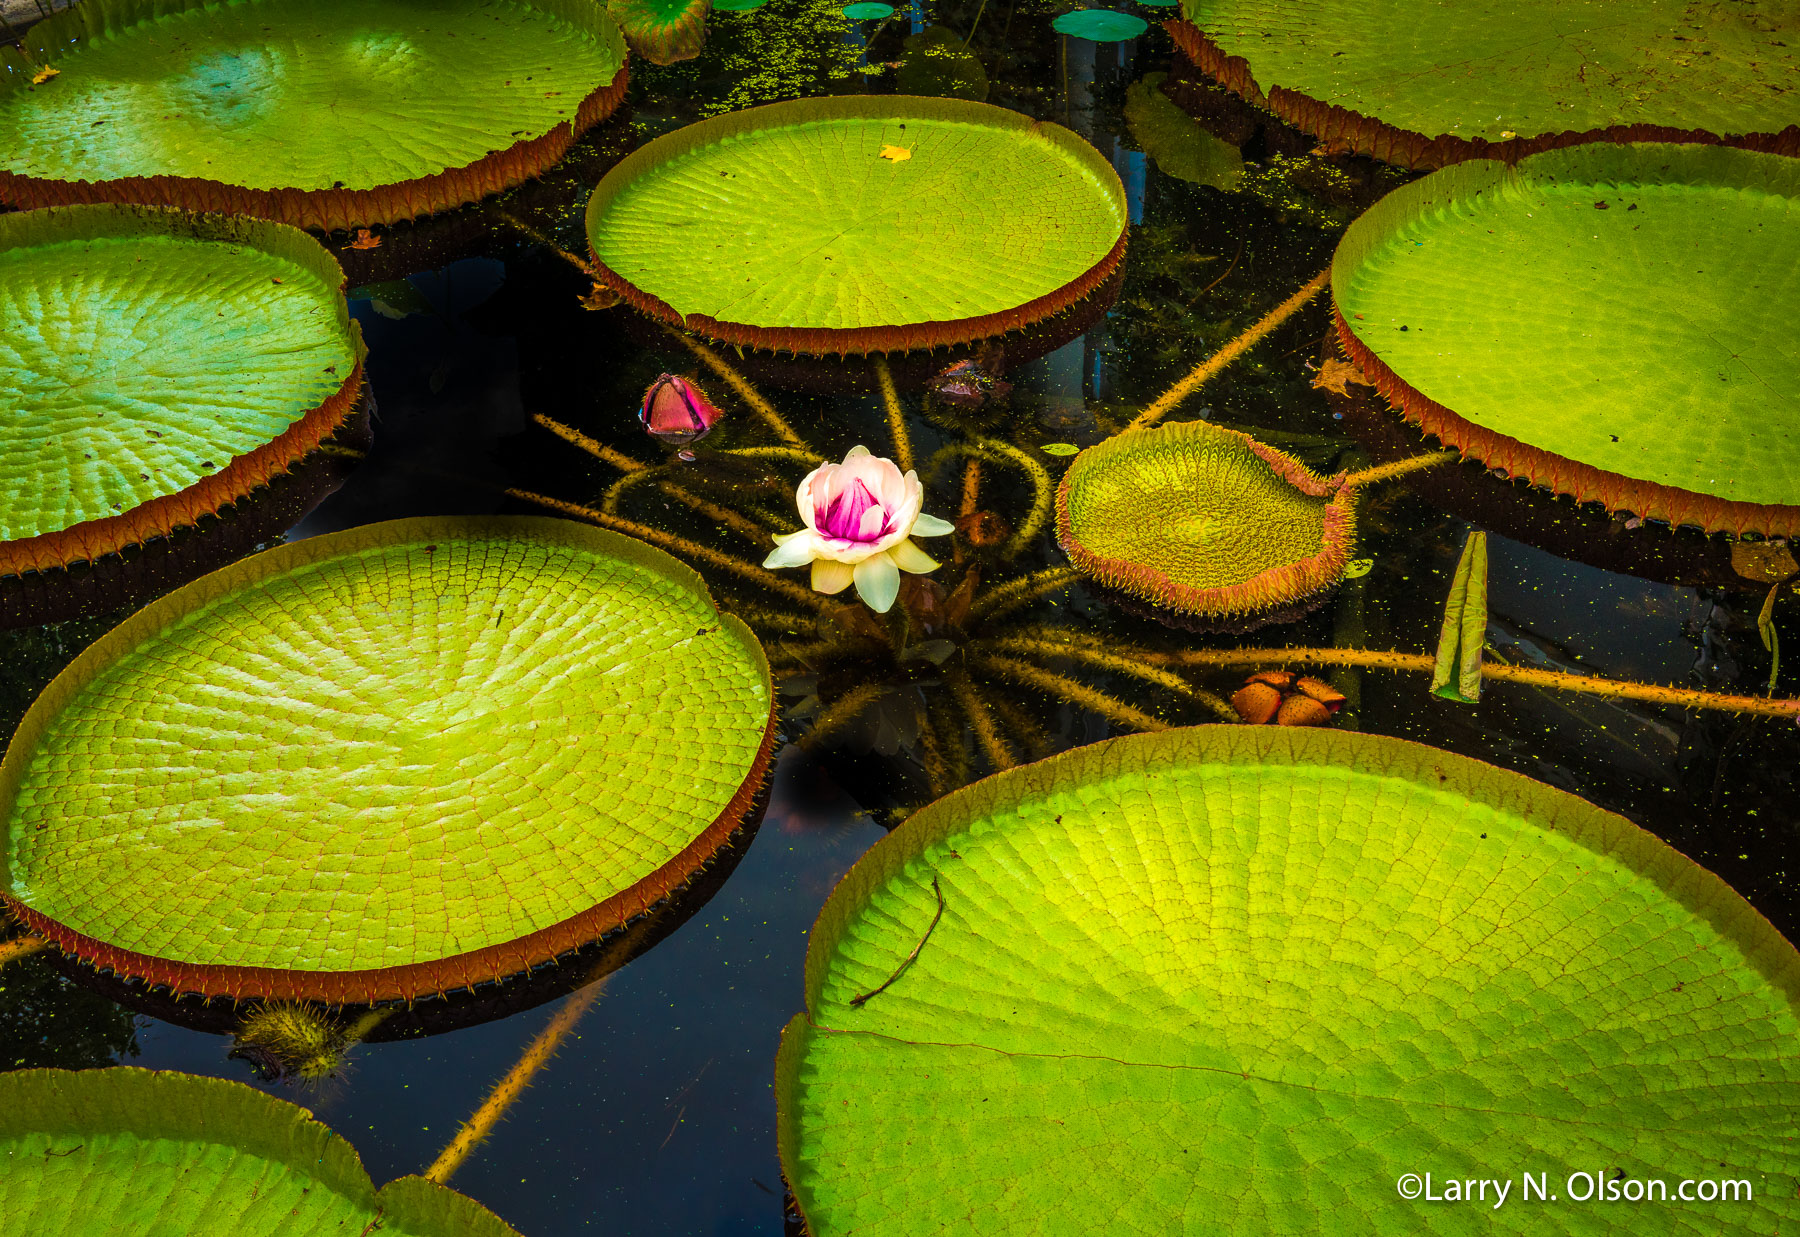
(1241, 980)
(1612, 322)
(1425, 85)
(138, 1151)
(1204, 520)
(859, 224)
(663, 31)
(737, 6)
(1100, 25)
(868, 11)
(387, 762)
(156, 365)
(322, 113)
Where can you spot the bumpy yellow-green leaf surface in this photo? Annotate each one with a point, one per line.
(133, 365)
(854, 213)
(303, 94)
(384, 747)
(1235, 980)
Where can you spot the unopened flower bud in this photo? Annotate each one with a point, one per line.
(675, 411)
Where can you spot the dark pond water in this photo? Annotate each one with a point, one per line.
(657, 1117)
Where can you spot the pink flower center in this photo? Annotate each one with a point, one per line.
(845, 518)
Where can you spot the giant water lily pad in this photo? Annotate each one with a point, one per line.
(1613, 323)
(859, 224)
(386, 762)
(322, 113)
(1427, 84)
(155, 366)
(1204, 520)
(663, 31)
(135, 1151)
(1239, 980)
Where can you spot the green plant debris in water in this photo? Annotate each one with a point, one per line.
(304, 94)
(935, 62)
(1180, 147)
(1457, 675)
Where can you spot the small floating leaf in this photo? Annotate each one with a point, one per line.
(868, 10)
(1175, 140)
(1358, 567)
(663, 31)
(1059, 448)
(1100, 25)
(1465, 626)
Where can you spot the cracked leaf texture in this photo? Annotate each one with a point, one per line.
(790, 218)
(384, 747)
(132, 365)
(1631, 308)
(304, 94)
(1230, 980)
(1199, 506)
(127, 1150)
(1527, 67)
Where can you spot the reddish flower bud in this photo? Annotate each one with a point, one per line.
(675, 411)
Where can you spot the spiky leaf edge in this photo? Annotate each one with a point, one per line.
(1594, 829)
(658, 40)
(1267, 590)
(162, 516)
(857, 341)
(410, 981)
(1340, 128)
(167, 1104)
(1583, 482)
(324, 210)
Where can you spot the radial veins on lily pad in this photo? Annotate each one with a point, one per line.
(322, 113)
(415, 756)
(859, 224)
(1425, 84)
(155, 366)
(134, 1151)
(1615, 323)
(1240, 980)
(1204, 520)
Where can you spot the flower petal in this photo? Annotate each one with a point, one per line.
(796, 550)
(878, 582)
(909, 557)
(803, 498)
(931, 526)
(830, 577)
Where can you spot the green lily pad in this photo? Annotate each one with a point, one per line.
(1100, 25)
(323, 113)
(1425, 84)
(412, 756)
(1200, 519)
(859, 224)
(868, 11)
(737, 6)
(1175, 141)
(663, 31)
(1239, 980)
(155, 366)
(1611, 322)
(135, 1151)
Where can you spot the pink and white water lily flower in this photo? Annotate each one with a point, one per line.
(860, 517)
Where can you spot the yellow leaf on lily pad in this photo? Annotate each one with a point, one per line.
(44, 74)
(899, 154)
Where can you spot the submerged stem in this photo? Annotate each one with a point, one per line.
(21, 947)
(1089, 698)
(599, 450)
(993, 746)
(1022, 592)
(737, 382)
(896, 415)
(1398, 468)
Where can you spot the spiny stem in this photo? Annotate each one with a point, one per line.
(797, 454)
(1562, 680)
(737, 382)
(1398, 468)
(1121, 660)
(1037, 743)
(749, 529)
(21, 947)
(971, 488)
(993, 449)
(1022, 592)
(676, 545)
(1068, 689)
(999, 755)
(841, 712)
(513, 1084)
(1210, 368)
(580, 264)
(599, 450)
(896, 415)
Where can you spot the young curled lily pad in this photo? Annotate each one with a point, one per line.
(135, 1151)
(663, 31)
(156, 366)
(1615, 323)
(859, 224)
(1426, 84)
(1204, 520)
(1242, 979)
(327, 114)
(411, 757)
